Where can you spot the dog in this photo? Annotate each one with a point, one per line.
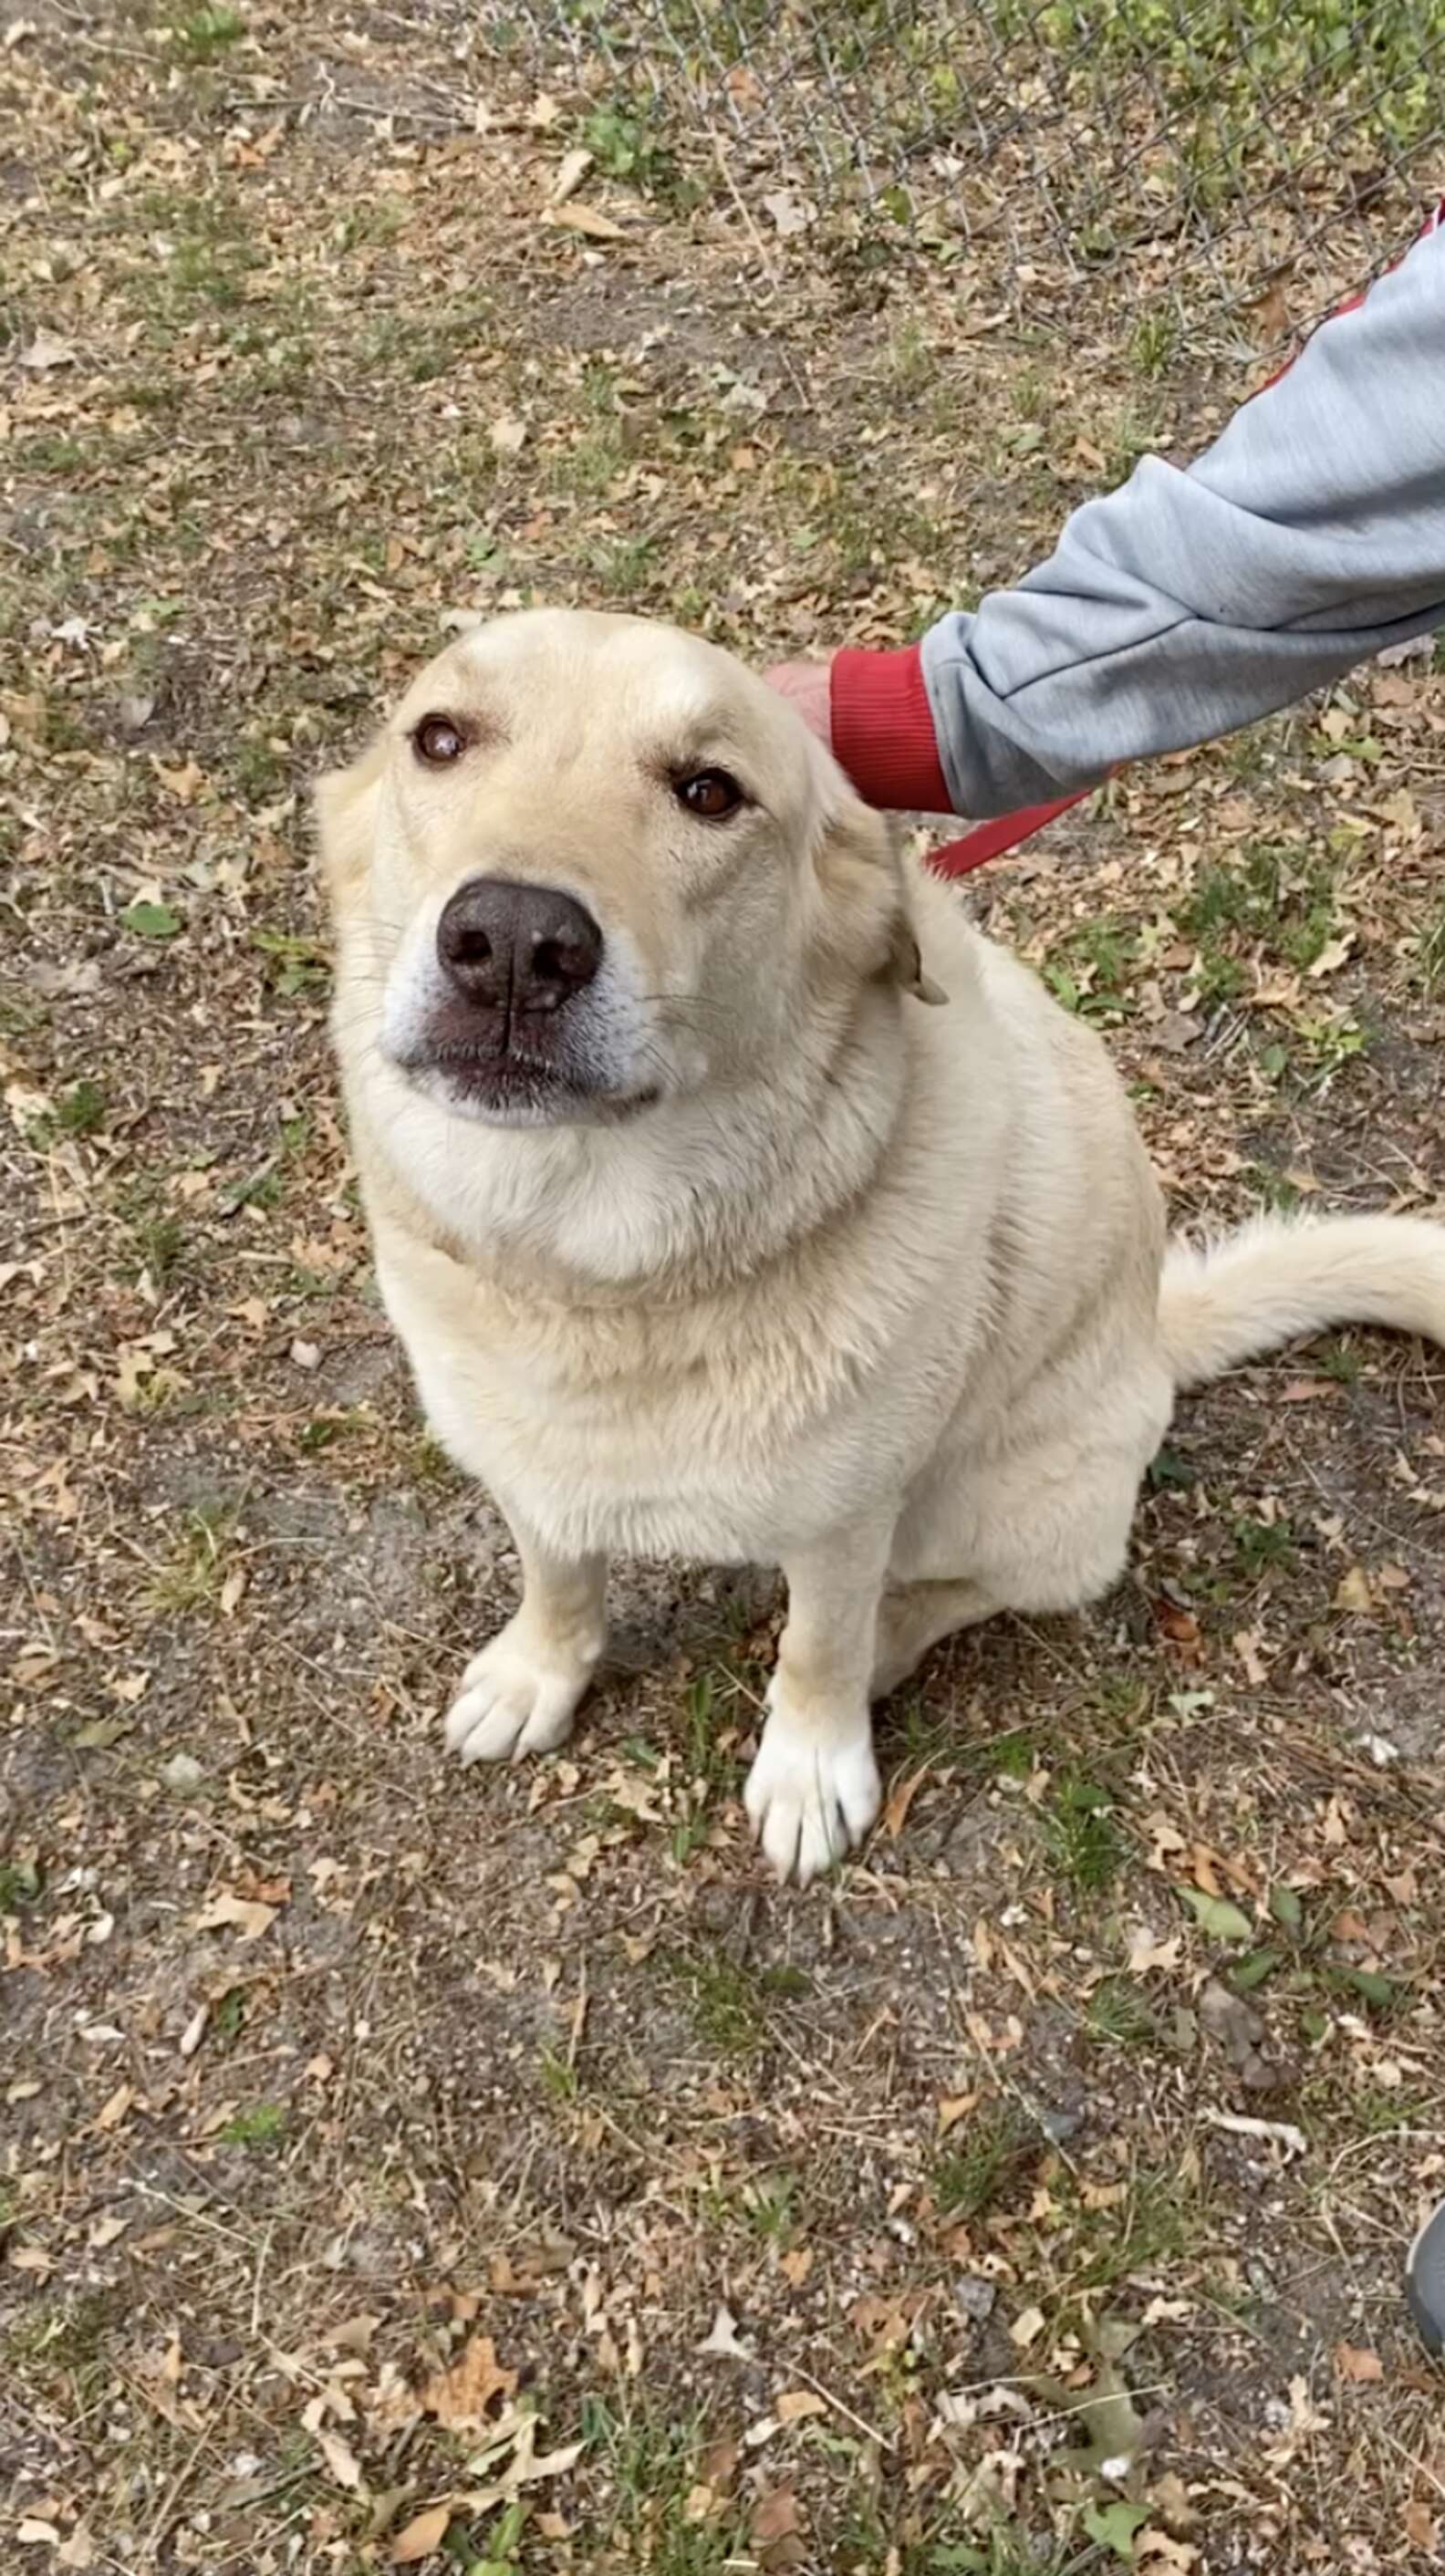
(709, 1234)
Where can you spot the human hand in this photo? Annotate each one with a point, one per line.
(808, 686)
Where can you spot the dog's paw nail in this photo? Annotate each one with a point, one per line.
(808, 1801)
(510, 1705)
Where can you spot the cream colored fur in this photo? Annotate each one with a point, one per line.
(811, 1273)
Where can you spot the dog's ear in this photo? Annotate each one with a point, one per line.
(345, 808)
(861, 870)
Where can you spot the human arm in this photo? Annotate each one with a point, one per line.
(1187, 602)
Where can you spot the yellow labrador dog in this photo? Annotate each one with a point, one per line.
(707, 1236)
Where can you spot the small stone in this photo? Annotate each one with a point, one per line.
(975, 2297)
(306, 1355)
(1381, 1750)
(1425, 2281)
(183, 1774)
(1242, 2036)
(1057, 2124)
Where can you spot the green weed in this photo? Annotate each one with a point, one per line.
(295, 967)
(558, 2076)
(1156, 340)
(193, 1576)
(1263, 1547)
(626, 145)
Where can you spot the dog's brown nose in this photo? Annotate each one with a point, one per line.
(527, 947)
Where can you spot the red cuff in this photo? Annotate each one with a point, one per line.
(883, 731)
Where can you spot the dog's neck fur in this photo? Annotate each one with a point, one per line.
(685, 1202)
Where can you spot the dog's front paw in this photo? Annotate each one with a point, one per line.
(811, 1793)
(515, 1700)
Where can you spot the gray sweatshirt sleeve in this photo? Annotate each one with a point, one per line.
(1188, 602)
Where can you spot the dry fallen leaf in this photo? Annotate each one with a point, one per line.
(895, 1814)
(47, 350)
(184, 783)
(421, 2536)
(571, 171)
(1352, 1592)
(111, 2113)
(249, 1918)
(790, 214)
(579, 218)
(723, 2338)
(1146, 1954)
(340, 2459)
(353, 2334)
(1271, 313)
(508, 436)
(463, 2394)
(1246, 1643)
(1156, 2554)
(1353, 2362)
(777, 2532)
(795, 2404)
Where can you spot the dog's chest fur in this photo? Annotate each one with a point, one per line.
(725, 1427)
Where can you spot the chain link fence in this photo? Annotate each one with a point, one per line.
(1209, 155)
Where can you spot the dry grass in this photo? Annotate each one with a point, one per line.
(365, 2129)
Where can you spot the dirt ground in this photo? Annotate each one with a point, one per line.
(400, 2167)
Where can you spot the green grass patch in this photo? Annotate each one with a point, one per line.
(261, 2127)
(81, 1110)
(1088, 970)
(984, 2159)
(650, 2470)
(1118, 2016)
(1080, 1834)
(1272, 897)
(729, 2003)
(192, 1577)
(203, 35)
(20, 1884)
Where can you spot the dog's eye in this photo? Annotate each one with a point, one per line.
(712, 793)
(437, 740)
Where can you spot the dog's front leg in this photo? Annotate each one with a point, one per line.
(813, 1788)
(520, 1694)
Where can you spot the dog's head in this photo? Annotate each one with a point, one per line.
(593, 864)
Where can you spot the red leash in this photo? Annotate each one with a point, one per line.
(988, 840)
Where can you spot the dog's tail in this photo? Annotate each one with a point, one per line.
(1223, 1302)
